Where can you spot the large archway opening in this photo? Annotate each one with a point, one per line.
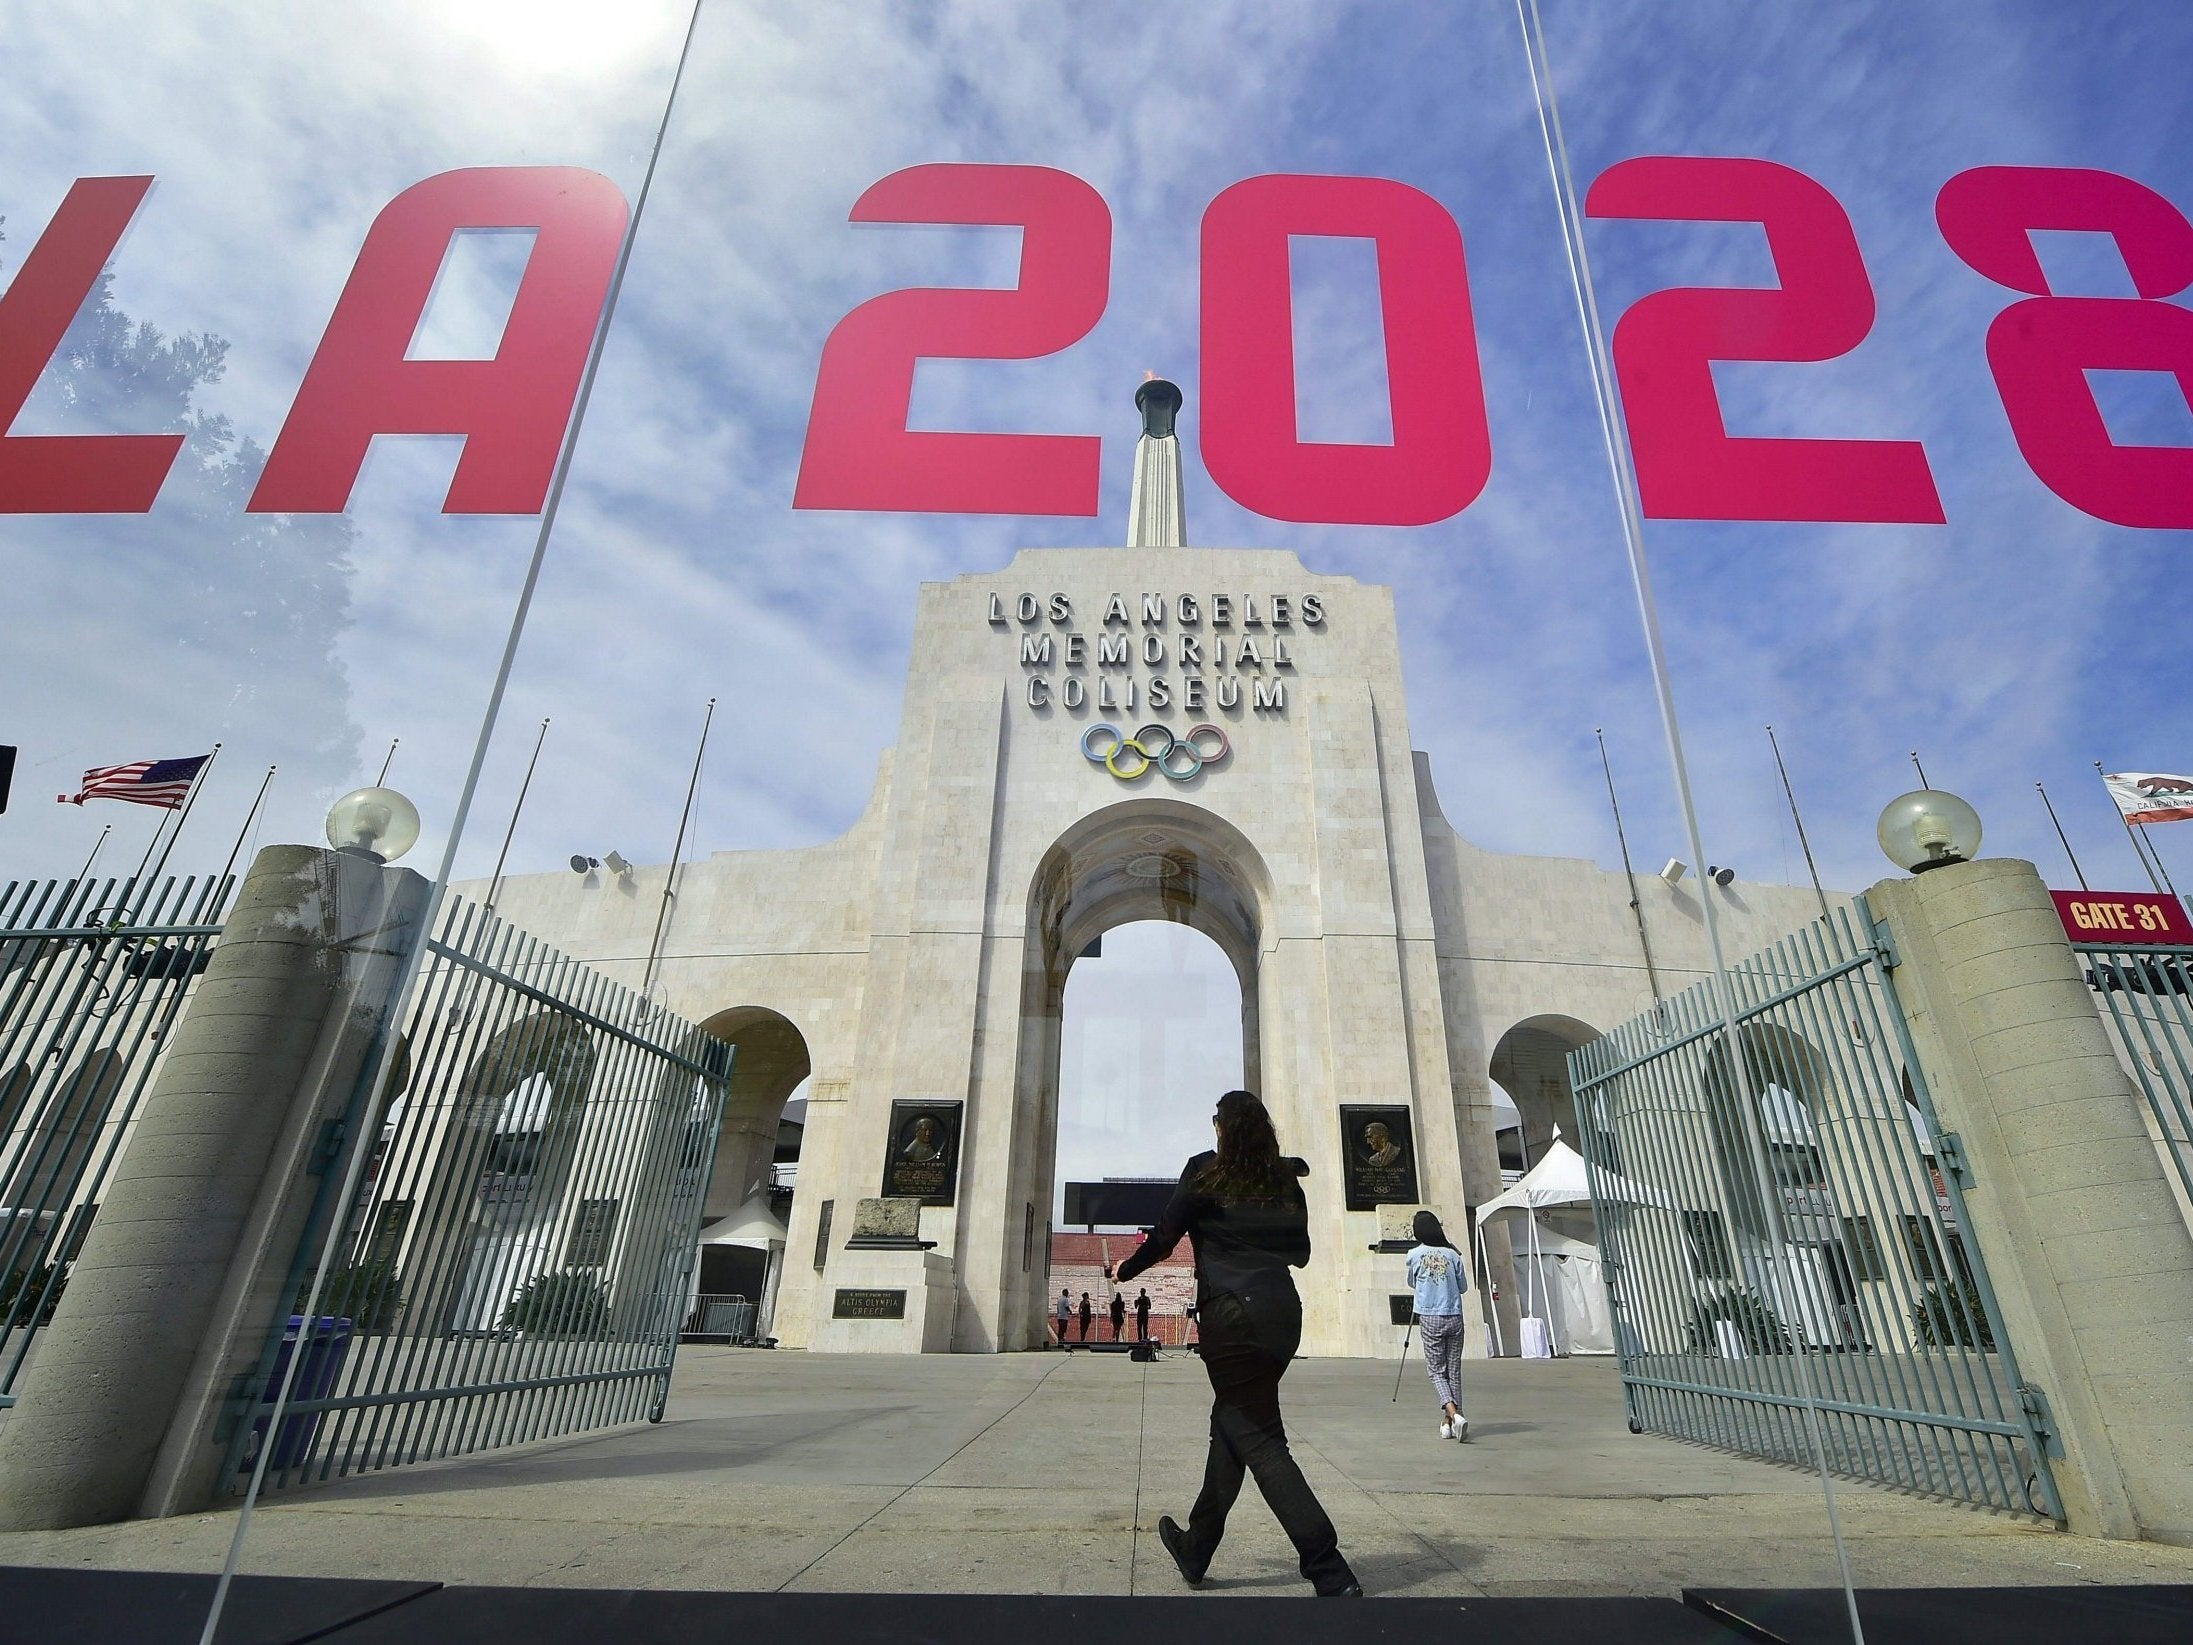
(1150, 1034)
(1151, 916)
(754, 1175)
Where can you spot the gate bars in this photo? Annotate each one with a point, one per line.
(93, 974)
(1863, 1265)
(519, 1255)
(2147, 1000)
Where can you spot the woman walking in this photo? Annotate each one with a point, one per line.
(1242, 1205)
(1435, 1269)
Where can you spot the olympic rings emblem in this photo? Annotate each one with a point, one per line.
(1179, 758)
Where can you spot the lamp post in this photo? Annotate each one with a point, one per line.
(1928, 829)
(376, 823)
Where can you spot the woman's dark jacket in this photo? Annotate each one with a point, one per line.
(1242, 1247)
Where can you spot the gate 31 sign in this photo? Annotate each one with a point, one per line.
(859, 453)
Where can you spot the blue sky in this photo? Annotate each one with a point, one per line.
(2019, 642)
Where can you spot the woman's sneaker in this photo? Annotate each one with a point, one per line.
(1446, 1429)
(1460, 1427)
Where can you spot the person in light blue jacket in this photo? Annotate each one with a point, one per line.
(1436, 1271)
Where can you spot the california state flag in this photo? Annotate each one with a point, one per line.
(2150, 796)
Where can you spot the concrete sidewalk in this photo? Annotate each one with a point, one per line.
(1047, 1473)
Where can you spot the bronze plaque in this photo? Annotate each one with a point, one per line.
(1377, 1156)
(857, 1304)
(921, 1156)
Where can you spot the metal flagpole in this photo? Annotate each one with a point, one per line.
(2156, 852)
(242, 833)
(2139, 850)
(158, 828)
(1652, 977)
(1916, 766)
(1791, 793)
(677, 852)
(387, 760)
(1606, 395)
(495, 885)
(197, 785)
(489, 718)
(84, 873)
(2075, 868)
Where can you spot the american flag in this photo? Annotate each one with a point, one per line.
(165, 783)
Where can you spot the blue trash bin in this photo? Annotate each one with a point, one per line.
(324, 1355)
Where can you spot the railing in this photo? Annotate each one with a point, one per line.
(2146, 997)
(724, 1318)
(93, 974)
(519, 1257)
(1809, 1263)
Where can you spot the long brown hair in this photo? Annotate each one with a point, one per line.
(1247, 1165)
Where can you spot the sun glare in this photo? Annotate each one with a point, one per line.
(553, 36)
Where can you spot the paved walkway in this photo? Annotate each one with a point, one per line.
(1047, 1473)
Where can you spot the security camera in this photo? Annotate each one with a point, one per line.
(582, 865)
(616, 865)
(1721, 876)
(1674, 871)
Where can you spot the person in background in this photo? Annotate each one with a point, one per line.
(1436, 1271)
(1087, 1313)
(1142, 1316)
(1119, 1315)
(1065, 1313)
(1243, 1207)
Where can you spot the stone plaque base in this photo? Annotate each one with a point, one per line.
(931, 1299)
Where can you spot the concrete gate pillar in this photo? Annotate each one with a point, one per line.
(2089, 1257)
(169, 1302)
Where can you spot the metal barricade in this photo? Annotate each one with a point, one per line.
(1815, 1257)
(2146, 998)
(726, 1318)
(518, 1259)
(93, 974)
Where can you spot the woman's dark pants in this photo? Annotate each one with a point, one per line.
(1246, 1350)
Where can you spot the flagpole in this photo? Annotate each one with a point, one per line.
(197, 783)
(2138, 849)
(1652, 977)
(495, 885)
(84, 873)
(662, 914)
(387, 760)
(1791, 794)
(236, 850)
(1916, 766)
(158, 828)
(2083, 886)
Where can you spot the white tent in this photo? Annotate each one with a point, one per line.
(757, 1227)
(1558, 1274)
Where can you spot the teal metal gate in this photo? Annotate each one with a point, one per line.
(519, 1254)
(93, 974)
(1784, 1233)
(2146, 998)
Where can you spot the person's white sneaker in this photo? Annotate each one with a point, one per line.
(1460, 1427)
(1444, 1430)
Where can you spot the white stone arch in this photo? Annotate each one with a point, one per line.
(769, 1059)
(1148, 858)
(502, 1162)
(1531, 1063)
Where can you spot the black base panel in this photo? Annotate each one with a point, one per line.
(57, 1606)
(2086, 1615)
(545, 1616)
